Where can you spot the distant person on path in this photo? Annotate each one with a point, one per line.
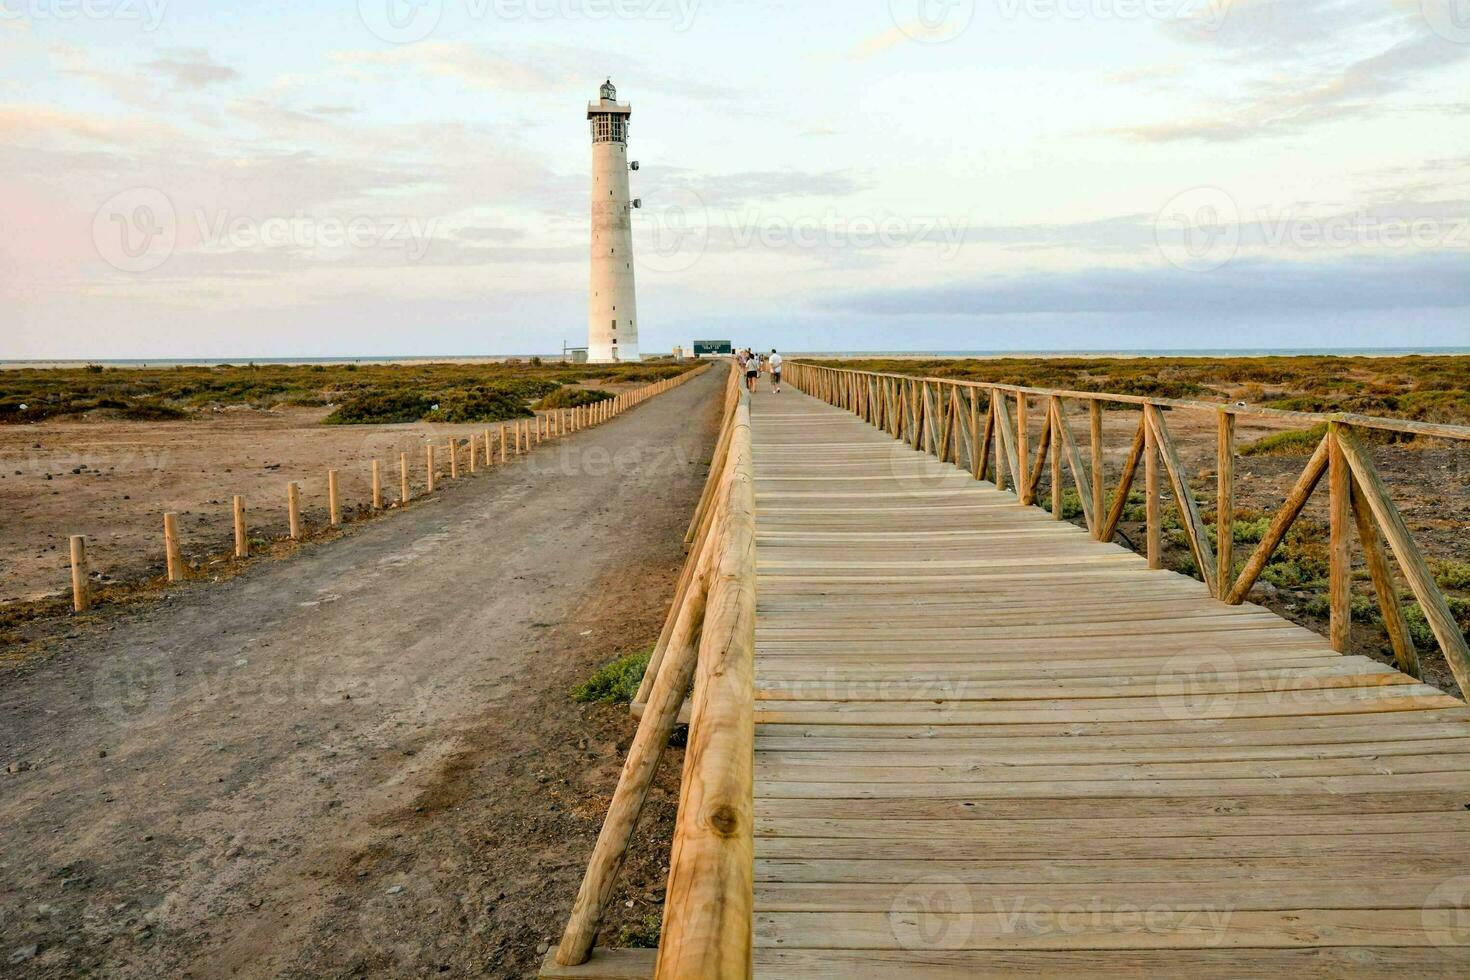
(752, 371)
(775, 364)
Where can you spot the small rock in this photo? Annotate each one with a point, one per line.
(542, 948)
(24, 953)
(396, 890)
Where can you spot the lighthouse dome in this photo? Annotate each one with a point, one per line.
(608, 91)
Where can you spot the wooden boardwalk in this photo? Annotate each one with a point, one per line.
(989, 744)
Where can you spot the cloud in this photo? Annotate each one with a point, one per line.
(192, 68)
(1265, 286)
(1312, 62)
(876, 44)
(474, 65)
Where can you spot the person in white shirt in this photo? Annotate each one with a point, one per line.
(774, 362)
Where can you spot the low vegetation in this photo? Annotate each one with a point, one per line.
(1426, 388)
(356, 392)
(573, 398)
(614, 683)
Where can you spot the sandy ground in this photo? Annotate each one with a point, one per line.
(362, 761)
(112, 481)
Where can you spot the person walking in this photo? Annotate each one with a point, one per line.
(774, 362)
(752, 371)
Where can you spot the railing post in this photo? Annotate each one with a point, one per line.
(1054, 409)
(1095, 434)
(1339, 566)
(1023, 450)
(1225, 503)
(1152, 503)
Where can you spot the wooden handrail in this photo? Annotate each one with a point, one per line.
(929, 414)
(709, 639)
(710, 902)
(1439, 430)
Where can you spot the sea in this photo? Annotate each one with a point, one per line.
(127, 362)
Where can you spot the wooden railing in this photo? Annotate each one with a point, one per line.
(973, 425)
(708, 641)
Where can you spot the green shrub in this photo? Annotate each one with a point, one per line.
(567, 397)
(1451, 574)
(1294, 442)
(1071, 503)
(381, 407)
(1361, 608)
(1419, 629)
(643, 934)
(614, 683)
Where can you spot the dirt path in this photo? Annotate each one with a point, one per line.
(362, 761)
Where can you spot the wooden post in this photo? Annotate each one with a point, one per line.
(1095, 435)
(474, 452)
(489, 461)
(453, 459)
(1054, 420)
(540, 423)
(1225, 503)
(1152, 505)
(173, 555)
(1339, 549)
(1416, 571)
(429, 458)
(81, 586)
(242, 536)
(334, 505)
(1027, 493)
(502, 442)
(996, 421)
(377, 485)
(293, 509)
(403, 479)
(1375, 554)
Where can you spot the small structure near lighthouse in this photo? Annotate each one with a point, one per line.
(612, 307)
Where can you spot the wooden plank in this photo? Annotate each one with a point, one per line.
(1041, 926)
(605, 964)
(1200, 964)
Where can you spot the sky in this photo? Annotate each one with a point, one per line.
(410, 177)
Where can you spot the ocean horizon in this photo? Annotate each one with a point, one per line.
(43, 362)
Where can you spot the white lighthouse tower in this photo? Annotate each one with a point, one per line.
(612, 308)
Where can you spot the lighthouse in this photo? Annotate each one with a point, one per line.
(612, 308)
